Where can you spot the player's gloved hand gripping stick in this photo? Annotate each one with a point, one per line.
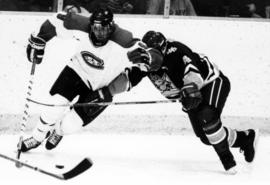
(35, 51)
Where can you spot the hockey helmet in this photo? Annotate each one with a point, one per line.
(155, 40)
(101, 26)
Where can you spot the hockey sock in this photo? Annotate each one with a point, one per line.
(41, 130)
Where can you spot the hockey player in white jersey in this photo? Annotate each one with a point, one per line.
(86, 76)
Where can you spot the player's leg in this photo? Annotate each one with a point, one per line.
(73, 122)
(78, 116)
(208, 126)
(245, 140)
(64, 90)
(46, 122)
(69, 124)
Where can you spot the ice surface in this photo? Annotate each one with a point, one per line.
(134, 160)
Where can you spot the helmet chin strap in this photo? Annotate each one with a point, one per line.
(96, 42)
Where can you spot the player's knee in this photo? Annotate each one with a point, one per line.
(215, 132)
(71, 123)
(52, 114)
(200, 134)
(212, 126)
(204, 139)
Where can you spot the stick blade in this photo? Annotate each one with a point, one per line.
(84, 165)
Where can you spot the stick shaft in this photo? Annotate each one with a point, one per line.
(78, 169)
(58, 176)
(105, 103)
(25, 112)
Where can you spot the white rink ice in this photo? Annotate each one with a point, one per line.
(134, 160)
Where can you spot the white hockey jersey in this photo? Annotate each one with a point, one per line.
(97, 66)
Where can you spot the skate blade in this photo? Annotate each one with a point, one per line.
(255, 145)
(232, 171)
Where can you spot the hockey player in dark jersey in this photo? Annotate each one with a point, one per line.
(200, 86)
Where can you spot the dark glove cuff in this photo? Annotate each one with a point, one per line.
(106, 94)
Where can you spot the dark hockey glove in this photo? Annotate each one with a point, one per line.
(191, 96)
(147, 59)
(35, 49)
(100, 95)
(140, 56)
(62, 17)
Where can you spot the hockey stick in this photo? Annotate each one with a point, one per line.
(104, 103)
(81, 167)
(25, 113)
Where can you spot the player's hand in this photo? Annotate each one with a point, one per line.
(100, 95)
(148, 59)
(191, 96)
(61, 16)
(139, 55)
(35, 49)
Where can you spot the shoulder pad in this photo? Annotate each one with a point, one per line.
(76, 22)
(122, 37)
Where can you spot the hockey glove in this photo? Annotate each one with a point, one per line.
(35, 49)
(147, 59)
(140, 56)
(191, 96)
(100, 95)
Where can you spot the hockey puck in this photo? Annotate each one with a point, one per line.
(59, 166)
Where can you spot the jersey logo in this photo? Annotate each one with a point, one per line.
(171, 50)
(92, 60)
(164, 84)
(186, 59)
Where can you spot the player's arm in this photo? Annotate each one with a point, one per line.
(47, 31)
(73, 21)
(122, 36)
(37, 41)
(144, 61)
(193, 81)
(122, 83)
(126, 80)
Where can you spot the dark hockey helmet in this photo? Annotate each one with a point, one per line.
(155, 40)
(101, 26)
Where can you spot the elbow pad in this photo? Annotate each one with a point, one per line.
(47, 31)
(119, 84)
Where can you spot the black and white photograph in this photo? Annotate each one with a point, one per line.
(135, 92)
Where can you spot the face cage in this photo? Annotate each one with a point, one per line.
(102, 33)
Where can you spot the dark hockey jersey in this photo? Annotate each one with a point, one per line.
(180, 66)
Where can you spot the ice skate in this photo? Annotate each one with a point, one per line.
(29, 144)
(249, 148)
(53, 140)
(232, 170)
